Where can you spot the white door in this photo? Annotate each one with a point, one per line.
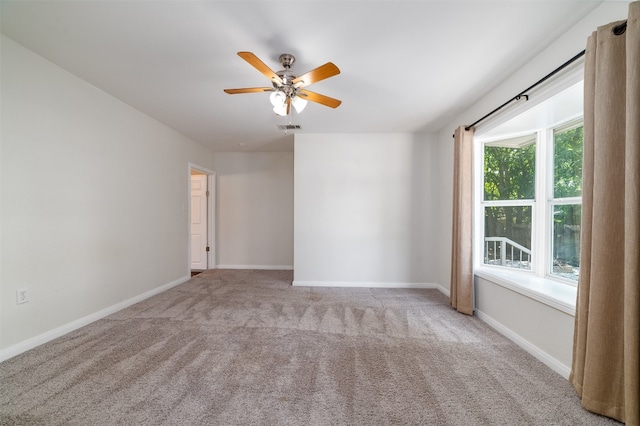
(199, 222)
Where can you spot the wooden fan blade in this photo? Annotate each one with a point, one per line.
(324, 71)
(248, 90)
(321, 99)
(260, 66)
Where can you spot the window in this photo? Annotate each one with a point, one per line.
(509, 195)
(566, 203)
(530, 208)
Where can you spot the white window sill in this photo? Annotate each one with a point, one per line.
(545, 290)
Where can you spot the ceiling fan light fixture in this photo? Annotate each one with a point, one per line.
(281, 110)
(298, 103)
(278, 99)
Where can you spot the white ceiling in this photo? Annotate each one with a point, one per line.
(406, 66)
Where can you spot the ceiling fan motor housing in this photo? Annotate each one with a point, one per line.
(287, 76)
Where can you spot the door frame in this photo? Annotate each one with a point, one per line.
(211, 215)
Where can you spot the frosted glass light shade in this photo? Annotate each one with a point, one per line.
(280, 109)
(278, 99)
(298, 103)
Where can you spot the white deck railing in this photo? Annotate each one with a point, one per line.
(505, 252)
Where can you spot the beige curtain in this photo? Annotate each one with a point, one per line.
(461, 292)
(606, 353)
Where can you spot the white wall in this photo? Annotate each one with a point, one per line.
(564, 48)
(363, 210)
(255, 210)
(544, 331)
(94, 201)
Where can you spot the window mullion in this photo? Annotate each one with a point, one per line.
(540, 218)
(549, 202)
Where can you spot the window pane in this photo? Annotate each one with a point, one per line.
(566, 240)
(507, 233)
(509, 171)
(567, 163)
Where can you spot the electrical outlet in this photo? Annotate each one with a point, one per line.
(22, 296)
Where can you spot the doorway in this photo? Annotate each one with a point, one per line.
(201, 219)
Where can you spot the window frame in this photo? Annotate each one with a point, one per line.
(551, 201)
(542, 204)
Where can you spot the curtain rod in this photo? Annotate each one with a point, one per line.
(617, 30)
(523, 93)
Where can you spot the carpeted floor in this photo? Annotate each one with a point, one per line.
(233, 347)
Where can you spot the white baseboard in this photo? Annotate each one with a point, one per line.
(33, 342)
(363, 284)
(541, 355)
(265, 267)
(443, 290)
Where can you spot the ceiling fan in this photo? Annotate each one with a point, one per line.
(288, 89)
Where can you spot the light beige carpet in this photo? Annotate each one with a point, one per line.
(244, 347)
